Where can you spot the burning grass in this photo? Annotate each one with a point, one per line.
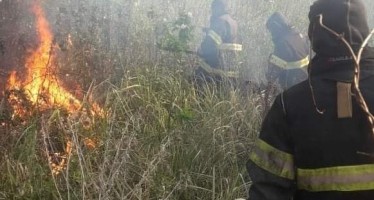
(160, 141)
(152, 137)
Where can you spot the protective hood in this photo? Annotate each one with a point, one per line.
(277, 25)
(219, 7)
(345, 17)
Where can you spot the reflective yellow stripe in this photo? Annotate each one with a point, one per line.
(210, 70)
(223, 46)
(289, 65)
(273, 160)
(232, 74)
(216, 38)
(231, 47)
(343, 178)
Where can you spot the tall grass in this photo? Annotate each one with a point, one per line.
(159, 140)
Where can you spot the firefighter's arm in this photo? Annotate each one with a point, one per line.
(207, 48)
(220, 27)
(273, 72)
(271, 165)
(281, 50)
(284, 51)
(213, 37)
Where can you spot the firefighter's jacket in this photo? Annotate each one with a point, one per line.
(290, 57)
(320, 150)
(220, 37)
(320, 147)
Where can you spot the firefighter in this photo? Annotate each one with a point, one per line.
(290, 57)
(316, 142)
(219, 44)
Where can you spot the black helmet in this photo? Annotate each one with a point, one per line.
(278, 25)
(345, 17)
(219, 7)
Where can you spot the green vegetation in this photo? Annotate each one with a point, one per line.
(159, 138)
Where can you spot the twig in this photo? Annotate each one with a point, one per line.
(47, 152)
(356, 80)
(366, 41)
(319, 110)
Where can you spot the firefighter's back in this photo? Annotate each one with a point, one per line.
(332, 137)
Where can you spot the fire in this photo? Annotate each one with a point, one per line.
(13, 80)
(58, 161)
(41, 85)
(43, 89)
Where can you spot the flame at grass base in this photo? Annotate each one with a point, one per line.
(42, 88)
(40, 84)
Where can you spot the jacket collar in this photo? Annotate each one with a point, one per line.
(341, 68)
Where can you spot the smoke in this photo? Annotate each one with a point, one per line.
(110, 35)
(16, 37)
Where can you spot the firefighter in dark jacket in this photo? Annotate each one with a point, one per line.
(219, 44)
(316, 142)
(290, 58)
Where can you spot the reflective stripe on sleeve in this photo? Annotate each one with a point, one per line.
(231, 47)
(342, 178)
(223, 46)
(273, 160)
(216, 38)
(289, 65)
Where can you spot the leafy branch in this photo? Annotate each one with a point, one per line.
(178, 34)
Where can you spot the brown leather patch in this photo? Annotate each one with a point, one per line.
(344, 100)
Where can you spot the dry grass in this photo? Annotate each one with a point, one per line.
(158, 141)
(159, 138)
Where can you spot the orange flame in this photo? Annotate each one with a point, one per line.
(43, 89)
(41, 86)
(40, 72)
(13, 80)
